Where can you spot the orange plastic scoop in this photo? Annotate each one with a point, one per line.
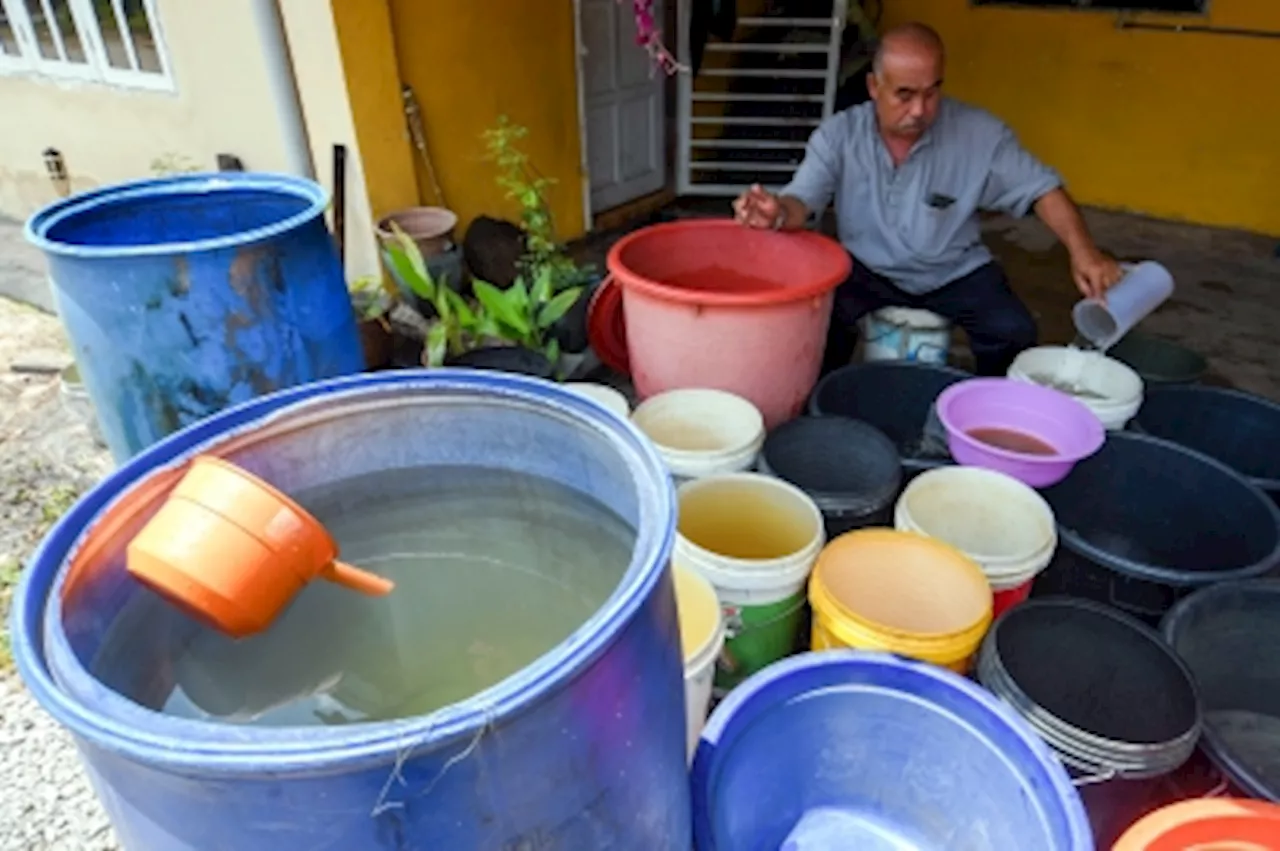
(233, 551)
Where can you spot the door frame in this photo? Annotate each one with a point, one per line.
(669, 127)
(580, 51)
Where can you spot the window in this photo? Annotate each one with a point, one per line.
(1191, 6)
(113, 41)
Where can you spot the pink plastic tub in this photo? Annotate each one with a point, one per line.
(1065, 427)
(709, 303)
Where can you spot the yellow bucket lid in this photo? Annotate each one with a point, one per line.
(902, 583)
(699, 611)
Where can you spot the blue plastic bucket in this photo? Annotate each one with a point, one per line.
(185, 295)
(584, 748)
(846, 749)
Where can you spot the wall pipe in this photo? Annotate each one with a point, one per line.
(283, 86)
(1202, 29)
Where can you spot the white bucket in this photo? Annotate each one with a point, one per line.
(702, 433)
(994, 519)
(603, 394)
(1104, 385)
(905, 333)
(702, 638)
(756, 540)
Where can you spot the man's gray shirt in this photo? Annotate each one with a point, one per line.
(917, 224)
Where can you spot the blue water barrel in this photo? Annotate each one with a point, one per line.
(847, 749)
(582, 749)
(184, 295)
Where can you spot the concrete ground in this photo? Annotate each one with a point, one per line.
(1226, 307)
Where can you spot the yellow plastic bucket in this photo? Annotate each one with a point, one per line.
(878, 589)
(701, 638)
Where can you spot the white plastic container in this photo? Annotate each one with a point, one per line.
(702, 639)
(906, 333)
(994, 519)
(702, 433)
(1144, 287)
(605, 395)
(1104, 385)
(755, 539)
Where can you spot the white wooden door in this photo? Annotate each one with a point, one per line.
(623, 100)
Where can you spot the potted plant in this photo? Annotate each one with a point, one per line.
(528, 188)
(502, 329)
(373, 298)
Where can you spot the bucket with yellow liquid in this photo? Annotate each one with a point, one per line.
(701, 639)
(879, 589)
(755, 538)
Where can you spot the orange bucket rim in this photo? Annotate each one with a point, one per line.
(628, 280)
(820, 596)
(1165, 821)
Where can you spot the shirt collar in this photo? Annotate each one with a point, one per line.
(925, 141)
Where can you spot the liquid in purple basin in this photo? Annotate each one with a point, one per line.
(1012, 440)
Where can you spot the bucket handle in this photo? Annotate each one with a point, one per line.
(1093, 779)
(1091, 776)
(734, 627)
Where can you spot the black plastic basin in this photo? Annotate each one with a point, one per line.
(1239, 429)
(848, 467)
(895, 397)
(1145, 521)
(1228, 636)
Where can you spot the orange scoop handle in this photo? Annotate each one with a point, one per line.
(356, 579)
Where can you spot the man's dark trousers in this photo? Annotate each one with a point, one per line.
(997, 322)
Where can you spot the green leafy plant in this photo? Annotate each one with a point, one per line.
(372, 296)
(528, 187)
(521, 315)
(457, 326)
(526, 314)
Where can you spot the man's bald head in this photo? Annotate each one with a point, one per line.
(906, 80)
(914, 41)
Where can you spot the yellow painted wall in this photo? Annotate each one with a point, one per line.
(1181, 126)
(470, 61)
(373, 84)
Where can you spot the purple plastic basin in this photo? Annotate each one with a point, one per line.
(999, 403)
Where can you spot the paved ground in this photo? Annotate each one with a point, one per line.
(1226, 306)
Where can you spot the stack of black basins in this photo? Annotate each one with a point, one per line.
(1170, 525)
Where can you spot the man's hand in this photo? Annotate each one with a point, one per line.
(1094, 272)
(758, 208)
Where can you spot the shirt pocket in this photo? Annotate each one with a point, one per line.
(936, 222)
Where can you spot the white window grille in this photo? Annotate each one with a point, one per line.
(111, 41)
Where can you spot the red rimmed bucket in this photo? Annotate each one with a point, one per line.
(708, 303)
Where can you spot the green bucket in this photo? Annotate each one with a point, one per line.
(756, 636)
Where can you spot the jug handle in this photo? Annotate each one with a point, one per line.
(356, 579)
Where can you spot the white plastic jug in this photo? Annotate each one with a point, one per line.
(1144, 287)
